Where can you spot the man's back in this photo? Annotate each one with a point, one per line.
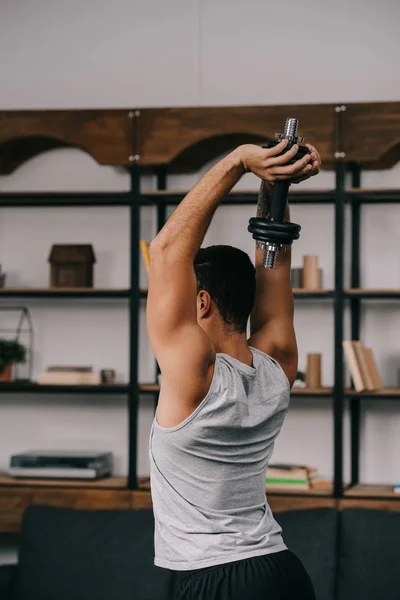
(208, 472)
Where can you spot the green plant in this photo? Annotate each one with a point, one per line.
(11, 351)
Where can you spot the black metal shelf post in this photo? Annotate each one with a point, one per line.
(134, 304)
(338, 390)
(355, 319)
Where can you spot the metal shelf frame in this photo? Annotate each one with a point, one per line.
(133, 199)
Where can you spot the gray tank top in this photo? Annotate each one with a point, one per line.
(208, 472)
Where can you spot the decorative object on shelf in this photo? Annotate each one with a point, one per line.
(296, 277)
(300, 381)
(274, 233)
(71, 265)
(2, 278)
(69, 375)
(314, 371)
(108, 376)
(396, 488)
(144, 248)
(11, 353)
(311, 273)
(16, 343)
(61, 464)
(362, 366)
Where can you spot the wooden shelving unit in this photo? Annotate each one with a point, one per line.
(113, 136)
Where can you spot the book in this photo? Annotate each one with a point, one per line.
(296, 474)
(69, 368)
(68, 378)
(290, 481)
(318, 481)
(144, 248)
(396, 488)
(293, 487)
(352, 363)
(363, 365)
(376, 380)
(287, 477)
(289, 467)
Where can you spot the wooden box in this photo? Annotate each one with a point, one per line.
(71, 265)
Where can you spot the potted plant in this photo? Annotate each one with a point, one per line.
(11, 352)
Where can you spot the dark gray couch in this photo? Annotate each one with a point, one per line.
(108, 555)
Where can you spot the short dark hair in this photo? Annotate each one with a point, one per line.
(228, 275)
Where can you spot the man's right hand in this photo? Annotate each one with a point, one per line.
(269, 166)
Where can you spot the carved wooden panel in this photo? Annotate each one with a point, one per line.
(371, 133)
(189, 137)
(107, 135)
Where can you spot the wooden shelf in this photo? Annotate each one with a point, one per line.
(385, 394)
(325, 492)
(371, 196)
(153, 388)
(325, 391)
(381, 294)
(149, 388)
(173, 197)
(107, 483)
(299, 293)
(16, 387)
(55, 199)
(365, 490)
(63, 293)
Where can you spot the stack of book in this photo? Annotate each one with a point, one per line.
(296, 478)
(69, 375)
(362, 367)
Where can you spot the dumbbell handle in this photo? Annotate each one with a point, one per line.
(278, 200)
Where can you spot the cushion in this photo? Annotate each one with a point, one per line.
(311, 535)
(369, 555)
(71, 554)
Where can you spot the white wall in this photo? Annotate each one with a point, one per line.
(185, 52)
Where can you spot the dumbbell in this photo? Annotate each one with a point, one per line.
(273, 233)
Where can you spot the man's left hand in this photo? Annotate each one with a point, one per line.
(315, 164)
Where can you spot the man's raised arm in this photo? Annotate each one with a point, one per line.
(271, 321)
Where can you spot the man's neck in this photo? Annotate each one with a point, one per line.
(235, 345)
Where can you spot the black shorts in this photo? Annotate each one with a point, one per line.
(277, 576)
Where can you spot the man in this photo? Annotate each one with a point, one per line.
(223, 398)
